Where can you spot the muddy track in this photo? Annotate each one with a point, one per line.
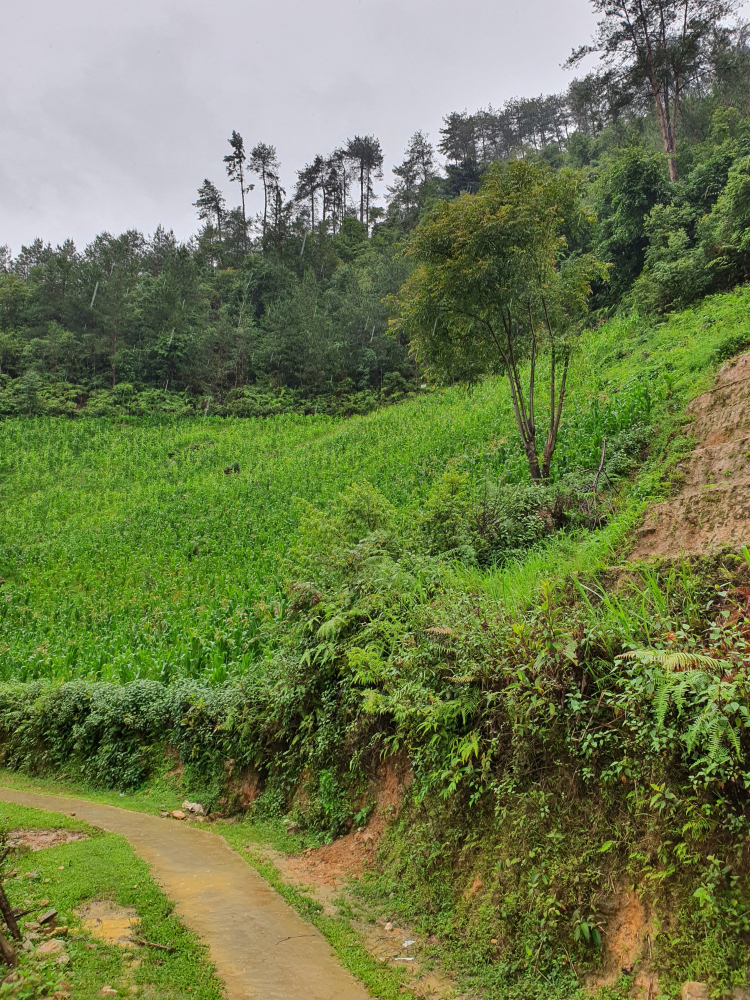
(711, 510)
(261, 948)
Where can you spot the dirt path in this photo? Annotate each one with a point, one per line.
(712, 509)
(261, 948)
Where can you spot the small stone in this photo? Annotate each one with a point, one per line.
(178, 814)
(388, 927)
(31, 925)
(493, 940)
(107, 991)
(43, 902)
(694, 991)
(194, 807)
(47, 916)
(58, 931)
(62, 959)
(163, 814)
(292, 828)
(53, 947)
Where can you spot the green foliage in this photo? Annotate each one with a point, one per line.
(632, 182)
(134, 325)
(492, 523)
(731, 346)
(494, 281)
(128, 552)
(406, 620)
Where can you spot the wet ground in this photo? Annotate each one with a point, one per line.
(261, 948)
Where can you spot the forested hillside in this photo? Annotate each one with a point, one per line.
(287, 309)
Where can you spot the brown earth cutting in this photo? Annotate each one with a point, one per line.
(711, 511)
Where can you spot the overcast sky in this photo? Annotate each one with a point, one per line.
(113, 111)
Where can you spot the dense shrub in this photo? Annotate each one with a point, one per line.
(115, 736)
(38, 394)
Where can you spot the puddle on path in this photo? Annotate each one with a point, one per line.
(109, 922)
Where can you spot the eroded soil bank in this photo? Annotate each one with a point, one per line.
(712, 508)
(261, 949)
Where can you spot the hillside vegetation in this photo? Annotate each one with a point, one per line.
(308, 500)
(134, 549)
(422, 602)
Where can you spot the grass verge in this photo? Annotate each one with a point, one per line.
(102, 867)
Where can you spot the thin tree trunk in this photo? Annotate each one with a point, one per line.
(7, 953)
(7, 911)
(367, 202)
(551, 443)
(662, 113)
(265, 201)
(525, 425)
(244, 216)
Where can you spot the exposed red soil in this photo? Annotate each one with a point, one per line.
(712, 509)
(626, 943)
(348, 856)
(37, 840)
(325, 869)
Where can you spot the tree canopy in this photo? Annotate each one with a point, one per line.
(494, 283)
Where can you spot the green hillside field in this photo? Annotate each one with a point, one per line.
(128, 552)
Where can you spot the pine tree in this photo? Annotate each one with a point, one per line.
(309, 181)
(263, 161)
(415, 172)
(660, 45)
(235, 164)
(366, 153)
(211, 206)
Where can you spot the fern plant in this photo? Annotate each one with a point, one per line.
(670, 659)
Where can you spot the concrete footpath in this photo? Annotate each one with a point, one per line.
(261, 948)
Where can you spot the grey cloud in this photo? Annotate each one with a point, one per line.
(114, 112)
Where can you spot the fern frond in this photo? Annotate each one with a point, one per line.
(670, 660)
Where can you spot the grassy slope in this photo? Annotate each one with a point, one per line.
(102, 867)
(128, 552)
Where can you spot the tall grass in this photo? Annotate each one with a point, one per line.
(127, 551)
